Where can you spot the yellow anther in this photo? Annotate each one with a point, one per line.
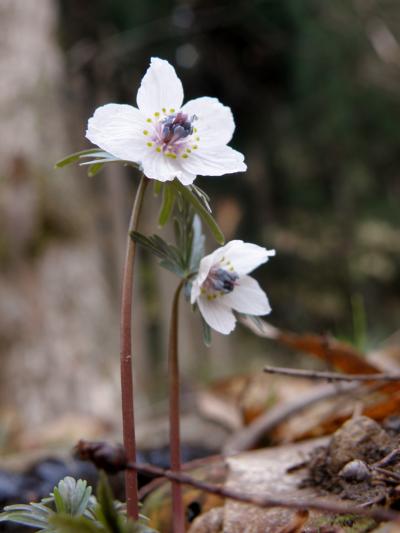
(156, 114)
(172, 110)
(197, 138)
(184, 156)
(163, 110)
(150, 144)
(158, 149)
(194, 147)
(195, 130)
(171, 155)
(189, 151)
(149, 120)
(145, 132)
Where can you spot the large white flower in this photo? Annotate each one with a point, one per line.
(167, 139)
(222, 284)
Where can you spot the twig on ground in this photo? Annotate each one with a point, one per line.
(112, 459)
(330, 376)
(388, 459)
(265, 501)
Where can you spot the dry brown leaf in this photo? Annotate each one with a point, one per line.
(335, 353)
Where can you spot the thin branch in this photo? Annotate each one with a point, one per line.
(330, 376)
(264, 501)
(247, 437)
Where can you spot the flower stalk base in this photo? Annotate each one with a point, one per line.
(128, 416)
(178, 512)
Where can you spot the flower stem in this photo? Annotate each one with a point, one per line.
(128, 417)
(174, 415)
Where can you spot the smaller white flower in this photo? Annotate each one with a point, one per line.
(222, 284)
(166, 138)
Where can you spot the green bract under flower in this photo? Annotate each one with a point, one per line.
(167, 139)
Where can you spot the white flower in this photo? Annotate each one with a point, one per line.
(222, 284)
(166, 139)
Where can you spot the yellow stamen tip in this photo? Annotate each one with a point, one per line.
(158, 149)
(145, 132)
(189, 151)
(156, 114)
(185, 156)
(149, 120)
(172, 110)
(149, 144)
(195, 147)
(163, 110)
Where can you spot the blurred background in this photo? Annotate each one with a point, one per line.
(315, 90)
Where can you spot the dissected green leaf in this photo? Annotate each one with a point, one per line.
(201, 210)
(106, 512)
(64, 523)
(197, 244)
(94, 169)
(206, 333)
(157, 187)
(71, 496)
(167, 205)
(25, 518)
(73, 158)
(169, 255)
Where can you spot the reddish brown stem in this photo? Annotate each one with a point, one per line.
(178, 513)
(128, 418)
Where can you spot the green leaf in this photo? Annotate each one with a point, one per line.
(94, 169)
(73, 158)
(201, 210)
(198, 240)
(26, 519)
(107, 513)
(59, 502)
(157, 187)
(167, 205)
(206, 333)
(74, 524)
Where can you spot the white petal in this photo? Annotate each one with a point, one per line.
(214, 124)
(217, 315)
(248, 297)
(160, 88)
(214, 161)
(246, 256)
(157, 166)
(118, 129)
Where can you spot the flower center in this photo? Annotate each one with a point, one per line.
(176, 127)
(219, 282)
(172, 134)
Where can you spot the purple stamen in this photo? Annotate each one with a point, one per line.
(176, 127)
(220, 280)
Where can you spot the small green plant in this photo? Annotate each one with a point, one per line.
(72, 507)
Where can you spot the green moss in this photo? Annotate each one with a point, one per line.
(349, 523)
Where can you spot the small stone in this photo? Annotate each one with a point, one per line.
(355, 470)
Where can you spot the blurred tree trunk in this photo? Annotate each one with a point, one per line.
(58, 319)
